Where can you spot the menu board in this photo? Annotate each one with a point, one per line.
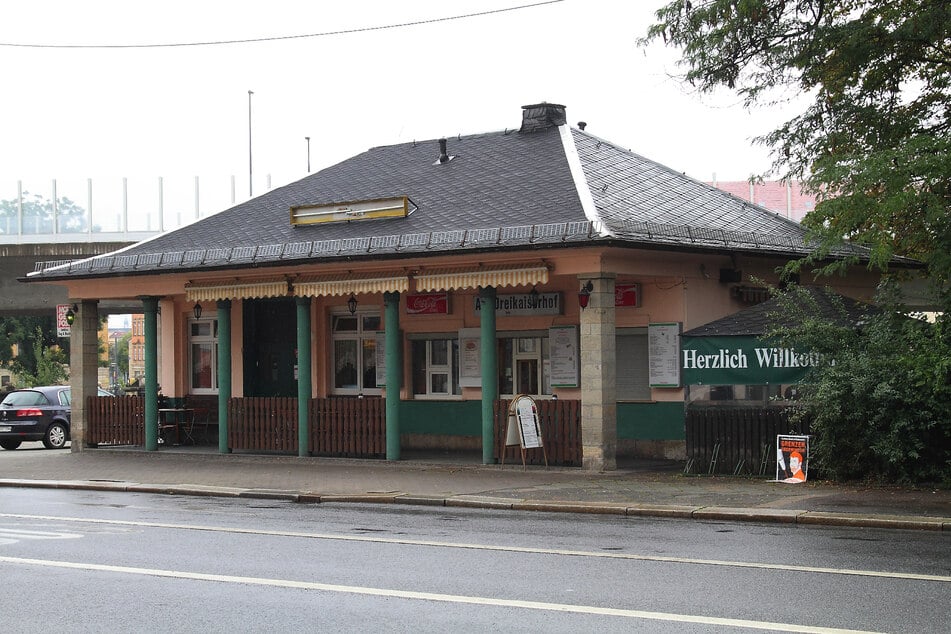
(563, 349)
(663, 350)
(470, 357)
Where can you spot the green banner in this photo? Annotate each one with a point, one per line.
(741, 361)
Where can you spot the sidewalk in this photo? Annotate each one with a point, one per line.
(642, 488)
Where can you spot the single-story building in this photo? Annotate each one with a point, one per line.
(437, 279)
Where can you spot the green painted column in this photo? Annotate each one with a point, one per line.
(394, 374)
(490, 371)
(224, 372)
(304, 388)
(150, 308)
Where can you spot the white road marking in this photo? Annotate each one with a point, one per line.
(13, 535)
(490, 547)
(429, 596)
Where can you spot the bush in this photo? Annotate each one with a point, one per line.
(881, 408)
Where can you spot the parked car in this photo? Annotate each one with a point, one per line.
(37, 413)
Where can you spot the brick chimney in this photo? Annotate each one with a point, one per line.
(542, 116)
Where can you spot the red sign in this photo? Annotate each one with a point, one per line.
(627, 295)
(62, 326)
(428, 304)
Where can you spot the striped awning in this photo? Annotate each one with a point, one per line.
(345, 284)
(235, 289)
(495, 275)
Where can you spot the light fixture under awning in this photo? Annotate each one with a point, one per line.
(346, 284)
(493, 275)
(237, 289)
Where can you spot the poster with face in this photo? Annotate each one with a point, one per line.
(792, 459)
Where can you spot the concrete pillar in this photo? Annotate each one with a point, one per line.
(490, 371)
(599, 376)
(394, 373)
(304, 388)
(224, 372)
(83, 367)
(150, 308)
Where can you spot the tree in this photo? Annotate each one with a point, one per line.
(22, 335)
(38, 216)
(880, 409)
(50, 365)
(874, 143)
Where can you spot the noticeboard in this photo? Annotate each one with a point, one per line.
(470, 357)
(563, 347)
(663, 351)
(62, 325)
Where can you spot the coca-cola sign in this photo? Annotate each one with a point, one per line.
(427, 304)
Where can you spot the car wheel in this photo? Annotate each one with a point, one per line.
(9, 445)
(55, 436)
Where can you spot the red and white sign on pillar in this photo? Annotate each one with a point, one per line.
(62, 326)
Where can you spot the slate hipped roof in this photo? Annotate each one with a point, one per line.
(545, 185)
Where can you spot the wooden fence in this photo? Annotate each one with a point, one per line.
(560, 421)
(738, 440)
(348, 427)
(115, 420)
(339, 426)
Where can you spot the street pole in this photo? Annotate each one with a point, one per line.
(250, 170)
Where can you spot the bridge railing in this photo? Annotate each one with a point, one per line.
(112, 209)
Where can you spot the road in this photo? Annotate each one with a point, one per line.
(82, 561)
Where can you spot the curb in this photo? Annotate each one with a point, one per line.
(714, 513)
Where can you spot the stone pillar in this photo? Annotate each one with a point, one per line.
(304, 388)
(394, 372)
(150, 308)
(490, 371)
(599, 376)
(83, 368)
(224, 372)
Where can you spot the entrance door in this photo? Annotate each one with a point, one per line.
(270, 339)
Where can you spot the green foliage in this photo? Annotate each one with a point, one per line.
(882, 409)
(50, 365)
(874, 143)
(25, 333)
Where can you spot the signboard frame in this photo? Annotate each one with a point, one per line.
(523, 427)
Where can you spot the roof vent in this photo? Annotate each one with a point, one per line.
(582, 125)
(443, 153)
(542, 116)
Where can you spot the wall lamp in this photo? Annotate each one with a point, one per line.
(352, 304)
(584, 295)
(197, 310)
(71, 314)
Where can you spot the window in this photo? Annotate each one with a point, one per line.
(354, 353)
(524, 366)
(436, 367)
(203, 356)
(633, 375)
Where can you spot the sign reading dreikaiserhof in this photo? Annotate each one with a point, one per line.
(524, 304)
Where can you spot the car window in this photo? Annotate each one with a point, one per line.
(65, 397)
(25, 397)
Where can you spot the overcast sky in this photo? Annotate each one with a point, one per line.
(167, 111)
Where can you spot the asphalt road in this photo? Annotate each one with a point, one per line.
(84, 561)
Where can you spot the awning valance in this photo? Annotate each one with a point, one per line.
(344, 284)
(237, 289)
(493, 275)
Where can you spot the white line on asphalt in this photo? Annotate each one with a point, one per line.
(511, 549)
(429, 596)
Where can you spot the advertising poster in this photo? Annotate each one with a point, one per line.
(792, 459)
